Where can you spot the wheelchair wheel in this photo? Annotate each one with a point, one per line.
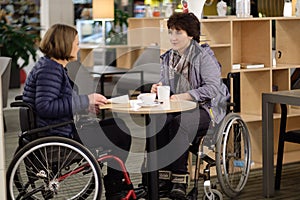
(233, 155)
(216, 195)
(54, 168)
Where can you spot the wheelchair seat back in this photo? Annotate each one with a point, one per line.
(29, 129)
(27, 119)
(30, 132)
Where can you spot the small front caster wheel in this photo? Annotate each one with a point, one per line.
(215, 196)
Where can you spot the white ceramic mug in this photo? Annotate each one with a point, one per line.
(147, 98)
(163, 92)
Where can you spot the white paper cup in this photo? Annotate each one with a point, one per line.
(163, 92)
(147, 98)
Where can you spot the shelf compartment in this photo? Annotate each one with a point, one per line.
(288, 41)
(223, 54)
(253, 84)
(212, 30)
(252, 42)
(280, 81)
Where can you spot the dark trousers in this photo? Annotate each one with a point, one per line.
(175, 137)
(112, 135)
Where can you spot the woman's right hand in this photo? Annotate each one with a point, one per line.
(154, 87)
(97, 99)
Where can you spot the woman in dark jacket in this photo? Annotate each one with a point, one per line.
(49, 90)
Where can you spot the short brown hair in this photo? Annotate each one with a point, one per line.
(187, 22)
(58, 40)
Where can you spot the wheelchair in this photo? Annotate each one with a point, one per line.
(231, 145)
(54, 167)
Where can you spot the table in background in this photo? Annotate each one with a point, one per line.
(290, 97)
(105, 71)
(167, 107)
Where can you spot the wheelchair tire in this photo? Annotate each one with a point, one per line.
(233, 155)
(54, 168)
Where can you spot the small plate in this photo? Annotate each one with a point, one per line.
(148, 105)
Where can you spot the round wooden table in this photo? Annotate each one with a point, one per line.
(162, 108)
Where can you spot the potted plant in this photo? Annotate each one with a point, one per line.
(17, 42)
(117, 35)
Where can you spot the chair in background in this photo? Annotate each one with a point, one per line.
(284, 136)
(149, 63)
(295, 79)
(5, 65)
(150, 55)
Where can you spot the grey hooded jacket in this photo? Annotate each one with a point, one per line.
(205, 80)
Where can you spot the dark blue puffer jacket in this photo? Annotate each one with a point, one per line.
(48, 90)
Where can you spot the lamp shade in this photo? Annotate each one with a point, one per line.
(103, 9)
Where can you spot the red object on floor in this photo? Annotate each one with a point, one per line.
(23, 76)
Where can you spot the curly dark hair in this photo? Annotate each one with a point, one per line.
(187, 22)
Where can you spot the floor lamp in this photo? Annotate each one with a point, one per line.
(103, 10)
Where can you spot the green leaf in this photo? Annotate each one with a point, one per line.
(16, 42)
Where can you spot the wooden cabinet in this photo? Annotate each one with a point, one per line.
(250, 40)
(244, 40)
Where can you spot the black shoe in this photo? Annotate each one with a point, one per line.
(178, 191)
(164, 188)
(115, 189)
(140, 192)
(115, 196)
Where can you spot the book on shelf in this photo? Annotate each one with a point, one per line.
(247, 65)
(252, 65)
(236, 66)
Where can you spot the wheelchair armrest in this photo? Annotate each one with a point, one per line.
(229, 104)
(45, 128)
(19, 98)
(19, 104)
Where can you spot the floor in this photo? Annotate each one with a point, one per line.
(252, 190)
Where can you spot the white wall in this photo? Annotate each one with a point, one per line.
(56, 11)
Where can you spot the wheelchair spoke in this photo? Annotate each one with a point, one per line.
(233, 155)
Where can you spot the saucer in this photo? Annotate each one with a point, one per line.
(148, 105)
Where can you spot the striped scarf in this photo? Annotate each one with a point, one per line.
(179, 67)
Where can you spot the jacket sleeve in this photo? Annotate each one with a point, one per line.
(210, 87)
(54, 95)
(206, 77)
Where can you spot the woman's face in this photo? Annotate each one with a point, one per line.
(75, 48)
(179, 40)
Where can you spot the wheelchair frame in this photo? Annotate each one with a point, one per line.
(44, 168)
(232, 148)
(232, 160)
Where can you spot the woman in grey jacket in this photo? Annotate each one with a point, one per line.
(193, 73)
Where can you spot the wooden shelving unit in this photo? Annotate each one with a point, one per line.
(249, 40)
(244, 40)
